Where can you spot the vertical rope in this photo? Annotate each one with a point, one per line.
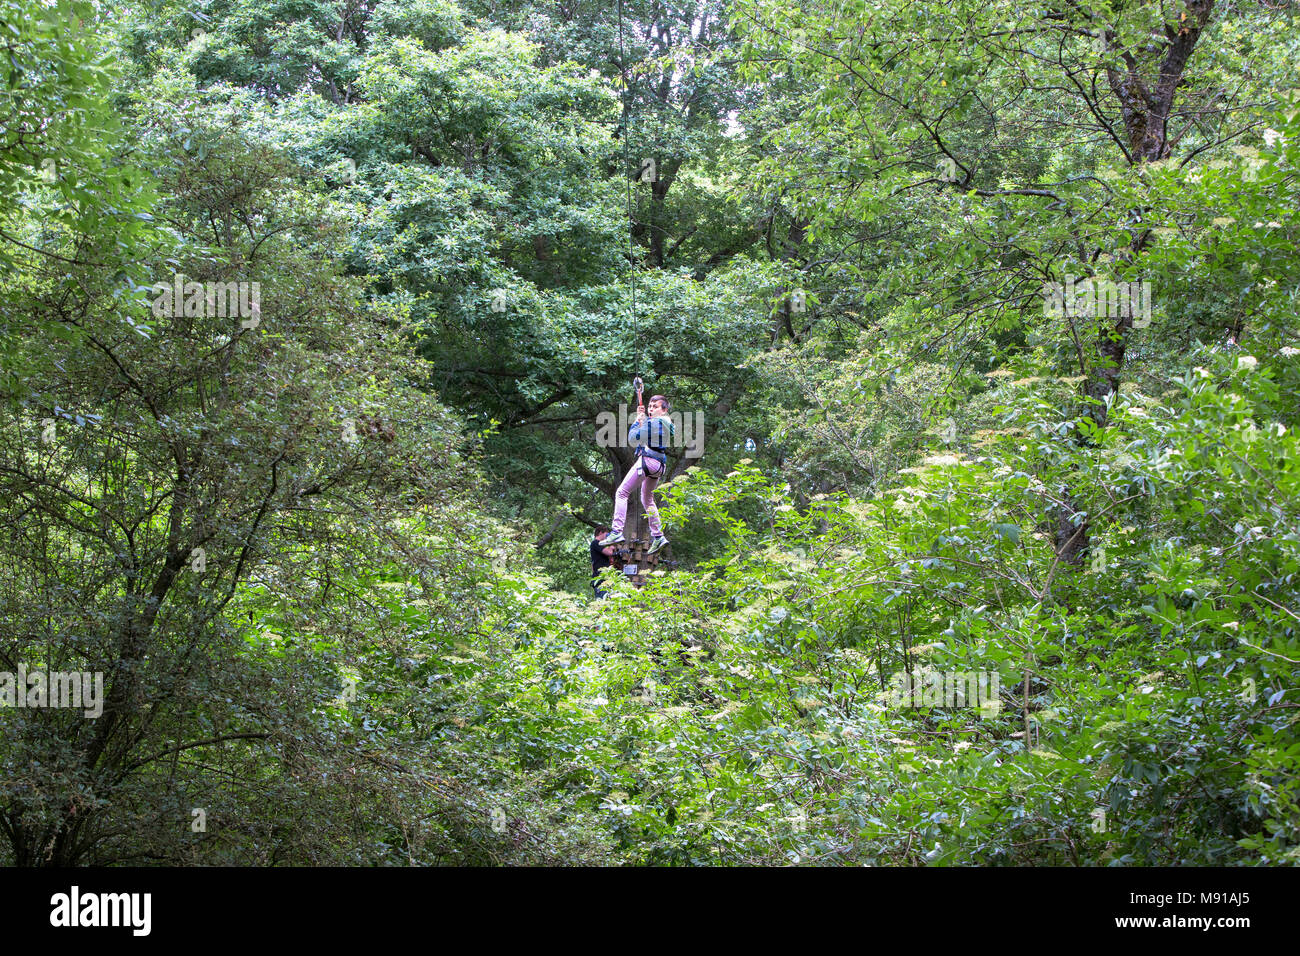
(627, 165)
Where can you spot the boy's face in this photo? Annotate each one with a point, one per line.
(656, 407)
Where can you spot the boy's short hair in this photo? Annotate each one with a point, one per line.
(659, 398)
(599, 529)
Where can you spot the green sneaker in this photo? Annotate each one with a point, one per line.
(616, 538)
(657, 543)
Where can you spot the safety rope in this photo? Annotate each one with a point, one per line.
(627, 166)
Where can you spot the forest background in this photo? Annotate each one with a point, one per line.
(329, 553)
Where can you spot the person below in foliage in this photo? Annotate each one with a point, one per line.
(651, 435)
(601, 557)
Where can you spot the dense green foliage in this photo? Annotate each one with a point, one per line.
(329, 554)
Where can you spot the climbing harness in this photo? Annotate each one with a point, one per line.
(654, 454)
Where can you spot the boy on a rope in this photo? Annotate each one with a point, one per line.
(651, 435)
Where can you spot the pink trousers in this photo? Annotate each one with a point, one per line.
(647, 473)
